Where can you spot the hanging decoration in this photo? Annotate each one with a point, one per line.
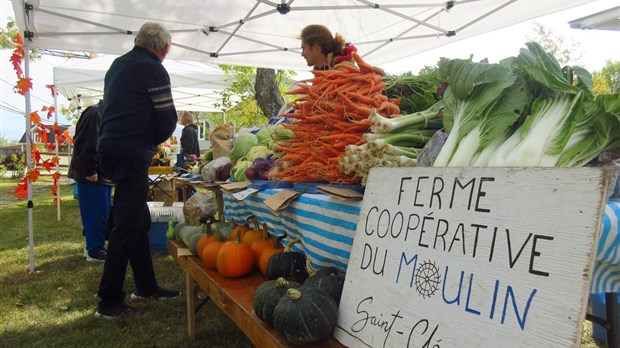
(32, 174)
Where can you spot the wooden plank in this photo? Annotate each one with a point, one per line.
(235, 297)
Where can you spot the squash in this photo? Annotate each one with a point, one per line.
(192, 243)
(206, 239)
(265, 255)
(235, 259)
(267, 296)
(223, 228)
(265, 242)
(209, 253)
(327, 279)
(239, 230)
(188, 231)
(305, 315)
(252, 235)
(288, 264)
(177, 229)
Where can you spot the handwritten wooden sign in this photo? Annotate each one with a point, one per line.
(472, 257)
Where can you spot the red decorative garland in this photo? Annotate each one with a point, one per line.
(32, 174)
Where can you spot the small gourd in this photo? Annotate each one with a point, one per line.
(177, 229)
(302, 306)
(267, 296)
(170, 230)
(235, 259)
(265, 255)
(327, 279)
(288, 264)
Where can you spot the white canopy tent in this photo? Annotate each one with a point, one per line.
(194, 84)
(265, 33)
(604, 20)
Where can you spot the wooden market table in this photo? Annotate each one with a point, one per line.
(233, 296)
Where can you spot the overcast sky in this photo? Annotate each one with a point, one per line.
(597, 46)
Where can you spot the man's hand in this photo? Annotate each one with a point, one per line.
(92, 178)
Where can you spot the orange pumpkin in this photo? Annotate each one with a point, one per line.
(263, 259)
(265, 242)
(252, 235)
(210, 251)
(235, 259)
(204, 240)
(239, 230)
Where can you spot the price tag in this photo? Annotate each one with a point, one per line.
(241, 195)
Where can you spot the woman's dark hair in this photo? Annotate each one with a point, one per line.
(319, 34)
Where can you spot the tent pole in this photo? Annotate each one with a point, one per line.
(57, 183)
(29, 157)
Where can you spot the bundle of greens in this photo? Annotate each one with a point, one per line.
(392, 142)
(524, 111)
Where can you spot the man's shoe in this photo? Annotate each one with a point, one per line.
(113, 312)
(160, 294)
(96, 256)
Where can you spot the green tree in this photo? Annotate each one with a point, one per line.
(8, 34)
(239, 101)
(607, 80)
(4, 141)
(565, 50)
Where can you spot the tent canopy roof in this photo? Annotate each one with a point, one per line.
(264, 33)
(604, 20)
(194, 84)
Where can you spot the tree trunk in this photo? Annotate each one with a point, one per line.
(268, 95)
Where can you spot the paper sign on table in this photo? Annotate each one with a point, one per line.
(241, 195)
(184, 252)
(343, 193)
(235, 186)
(281, 200)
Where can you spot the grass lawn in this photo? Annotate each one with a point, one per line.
(54, 307)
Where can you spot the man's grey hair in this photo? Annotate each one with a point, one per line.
(153, 36)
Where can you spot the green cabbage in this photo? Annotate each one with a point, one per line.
(258, 151)
(242, 144)
(237, 173)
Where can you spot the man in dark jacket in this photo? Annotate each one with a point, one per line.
(138, 114)
(189, 135)
(95, 193)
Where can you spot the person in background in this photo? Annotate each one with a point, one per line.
(95, 191)
(323, 51)
(138, 113)
(189, 135)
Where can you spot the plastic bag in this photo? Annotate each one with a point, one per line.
(210, 169)
(199, 208)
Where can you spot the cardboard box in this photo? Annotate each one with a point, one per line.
(166, 196)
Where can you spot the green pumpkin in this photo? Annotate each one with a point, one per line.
(193, 242)
(188, 231)
(305, 315)
(177, 229)
(327, 279)
(288, 264)
(267, 296)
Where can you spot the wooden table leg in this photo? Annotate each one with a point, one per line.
(191, 313)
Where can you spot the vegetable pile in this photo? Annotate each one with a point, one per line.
(332, 113)
(525, 111)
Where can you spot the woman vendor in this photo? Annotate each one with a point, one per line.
(323, 51)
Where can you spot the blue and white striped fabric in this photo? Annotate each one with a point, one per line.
(325, 225)
(606, 275)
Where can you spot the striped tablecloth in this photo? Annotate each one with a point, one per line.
(606, 276)
(326, 226)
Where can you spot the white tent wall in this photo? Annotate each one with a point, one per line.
(194, 84)
(263, 33)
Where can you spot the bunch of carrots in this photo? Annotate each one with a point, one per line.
(331, 113)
